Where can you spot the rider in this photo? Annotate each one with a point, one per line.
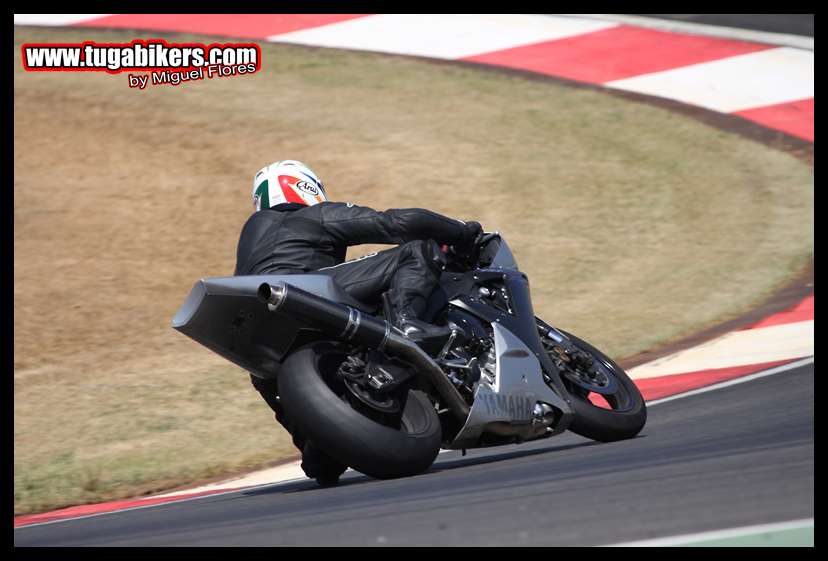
(295, 229)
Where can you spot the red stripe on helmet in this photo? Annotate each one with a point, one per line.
(287, 182)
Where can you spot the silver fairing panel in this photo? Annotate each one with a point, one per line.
(224, 315)
(504, 405)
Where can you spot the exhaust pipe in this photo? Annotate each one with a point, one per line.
(348, 324)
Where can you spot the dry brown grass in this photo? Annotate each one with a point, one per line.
(635, 226)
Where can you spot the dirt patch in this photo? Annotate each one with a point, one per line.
(636, 225)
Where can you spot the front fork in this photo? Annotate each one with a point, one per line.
(551, 372)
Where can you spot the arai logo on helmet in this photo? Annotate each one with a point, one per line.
(307, 188)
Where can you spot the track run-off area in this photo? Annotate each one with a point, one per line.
(729, 440)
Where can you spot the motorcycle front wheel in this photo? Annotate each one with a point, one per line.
(608, 405)
(378, 445)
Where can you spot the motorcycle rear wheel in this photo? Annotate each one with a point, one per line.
(306, 383)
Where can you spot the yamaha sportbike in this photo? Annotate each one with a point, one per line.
(384, 404)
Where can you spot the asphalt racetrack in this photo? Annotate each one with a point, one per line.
(796, 24)
(735, 456)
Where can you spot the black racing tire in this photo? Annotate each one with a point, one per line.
(607, 425)
(346, 434)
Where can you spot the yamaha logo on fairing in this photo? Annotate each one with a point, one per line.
(307, 188)
(515, 407)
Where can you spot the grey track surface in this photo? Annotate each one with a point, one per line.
(736, 456)
(795, 24)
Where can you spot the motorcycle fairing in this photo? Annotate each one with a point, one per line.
(504, 405)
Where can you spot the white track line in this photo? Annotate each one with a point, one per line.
(719, 534)
(741, 380)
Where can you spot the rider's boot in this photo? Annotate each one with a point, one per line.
(403, 315)
(318, 465)
(418, 330)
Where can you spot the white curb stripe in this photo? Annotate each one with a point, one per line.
(735, 381)
(285, 472)
(444, 36)
(720, 534)
(54, 19)
(737, 348)
(735, 83)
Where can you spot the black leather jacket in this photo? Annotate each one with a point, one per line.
(296, 238)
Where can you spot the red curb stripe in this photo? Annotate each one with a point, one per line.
(803, 311)
(254, 26)
(795, 118)
(666, 386)
(616, 53)
(86, 510)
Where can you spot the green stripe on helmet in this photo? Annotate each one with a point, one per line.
(262, 193)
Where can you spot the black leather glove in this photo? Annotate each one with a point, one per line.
(465, 250)
(471, 233)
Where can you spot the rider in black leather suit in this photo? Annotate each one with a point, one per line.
(304, 233)
(294, 238)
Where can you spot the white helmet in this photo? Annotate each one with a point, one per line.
(287, 181)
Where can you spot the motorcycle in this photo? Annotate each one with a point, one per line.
(384, 404)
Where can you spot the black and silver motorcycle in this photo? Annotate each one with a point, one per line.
(384, 405)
